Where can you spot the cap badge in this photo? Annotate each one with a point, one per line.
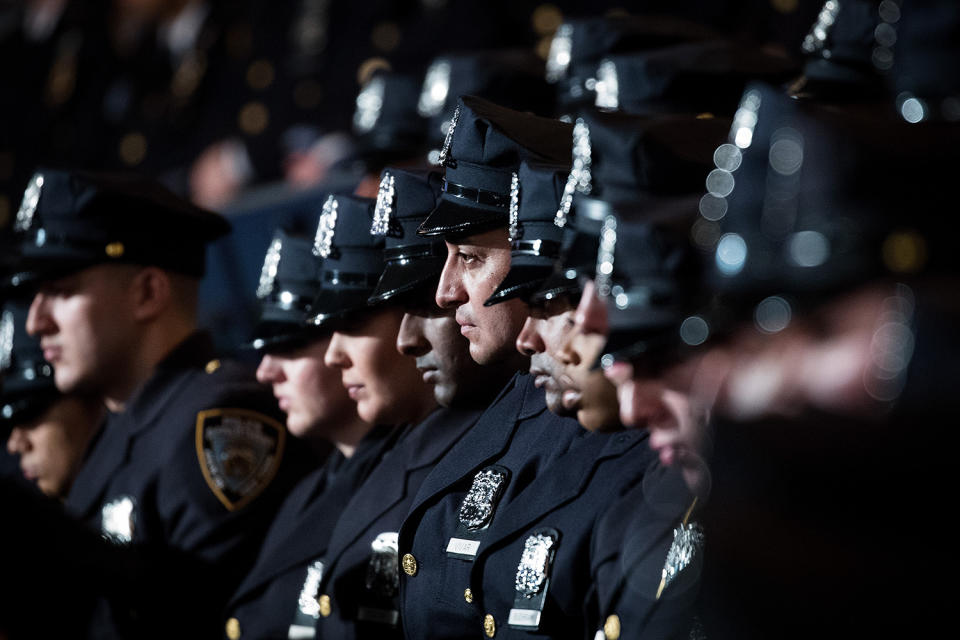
(579, 178)
(608, 244)
(534, 564)
(383, 570)
(323, 242)
(271, 264)
(369, 105)
(6, 339)
(478, 505)
(445, 151)
(28, 206)
(436, 87)
(608, 85)
(816, 40)
(384, 206)
(515, 231)
(558, 58)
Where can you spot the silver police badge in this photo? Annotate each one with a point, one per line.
(608, 85)
(6, 339)
(383, 570)
(28, 206)
(307, 602)
(514, 207)
(369, 105)
(323, 241)
(534, 564)
(384, 206)
(605, 255)
(688, 541)
(558, 58)
(580, 177)
(240, 451)
(448, 140)
(118, 520)
(271, 264)
(477, 507)
(436, 86)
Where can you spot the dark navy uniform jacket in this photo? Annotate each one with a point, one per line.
(630, 546)
(361, 574)
(266, 602)
(520, 437)
(191, 472)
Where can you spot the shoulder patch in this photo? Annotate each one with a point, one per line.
(240, 451)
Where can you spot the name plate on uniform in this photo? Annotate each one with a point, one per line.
(524, 618)
(380, 616)
(460, 548)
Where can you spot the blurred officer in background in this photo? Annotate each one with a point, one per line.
(48, 431)
(193, 458)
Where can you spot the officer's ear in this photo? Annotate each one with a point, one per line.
(151, 293)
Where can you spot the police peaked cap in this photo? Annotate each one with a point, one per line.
(352, 259)
(289, 281)
(70, 220)
(486, 144)
(412, 263)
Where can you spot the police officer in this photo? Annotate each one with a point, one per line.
(359, 588)
(511, 507)
(47, 431)
(193, 458)
(278, 596)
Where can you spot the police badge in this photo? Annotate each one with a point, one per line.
(515, 231)
(6, 339)
(323, 241)
(239, 452)
(271, 263)
(532, 579)
(558, 58)
(28, 206)
(445, 151)
(580, 177)
(605, 255)
(308, 604)
(384, 206)
(436, 86)
(476, 510)
(118, 520)
(688, 541)
(383, 579)
(369, 105)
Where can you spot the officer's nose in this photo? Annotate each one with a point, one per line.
(39, 320)
(336, 356)
(529, 341)
(270, 370)
(411, 341)
(450, 291)
(18, 442)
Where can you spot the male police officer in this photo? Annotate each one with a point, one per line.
(193, 458)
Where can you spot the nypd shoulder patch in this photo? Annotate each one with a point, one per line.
(239, 451)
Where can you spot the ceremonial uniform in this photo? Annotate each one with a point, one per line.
(198, 462)
(281, 589)
(506, 451)
(360, 583)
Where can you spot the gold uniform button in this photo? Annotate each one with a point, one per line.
(489, 626)
(325, 607)
(611, 628)
(233, 629)
(212, 366)
(409, 564)
(468, 596)
(114, 249)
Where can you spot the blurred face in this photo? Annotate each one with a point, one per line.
(587, 391)
(52, 445)
(474, 268)
(86, 327)
(384, 383)
(307, 389)
(432, 336)
(541, 338)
